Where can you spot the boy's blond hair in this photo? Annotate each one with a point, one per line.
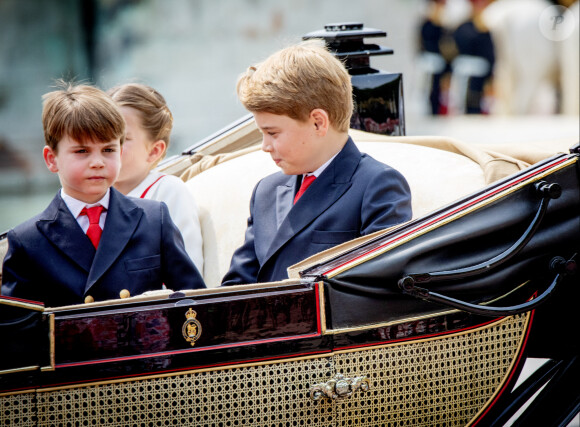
(82, 112)
(296, 80)
(156, 118)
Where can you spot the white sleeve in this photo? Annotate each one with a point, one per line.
(183, 211)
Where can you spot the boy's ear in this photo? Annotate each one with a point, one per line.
(320, 120)
(50, 159)
(157, 150)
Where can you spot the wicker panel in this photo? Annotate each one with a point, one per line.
(18, 410)
(268, 395)
(442, 382)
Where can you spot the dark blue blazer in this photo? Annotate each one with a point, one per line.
(354, 196)
(51, 259)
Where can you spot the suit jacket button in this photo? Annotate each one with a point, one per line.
(89, 299)
(124, 293)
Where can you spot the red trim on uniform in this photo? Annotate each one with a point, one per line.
(149, 188)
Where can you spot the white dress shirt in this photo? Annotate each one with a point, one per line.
(76, 206)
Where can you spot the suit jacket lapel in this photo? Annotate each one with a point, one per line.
(62, 229)
(322, 193)
(122, 218)
(284, 199)
(273, 217)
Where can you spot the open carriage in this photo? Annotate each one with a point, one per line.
(427, 323)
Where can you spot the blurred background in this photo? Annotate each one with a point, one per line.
(482, 71)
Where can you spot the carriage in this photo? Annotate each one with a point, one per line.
(426, 323)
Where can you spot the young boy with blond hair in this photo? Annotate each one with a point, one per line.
(92, 243)
(327, 192)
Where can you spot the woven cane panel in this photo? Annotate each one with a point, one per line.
(443, 382)
(18, 410)
(269, 395)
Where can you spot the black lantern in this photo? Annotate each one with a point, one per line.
(378, 95)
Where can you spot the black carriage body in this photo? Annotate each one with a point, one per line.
(342, 344)
(470, 232)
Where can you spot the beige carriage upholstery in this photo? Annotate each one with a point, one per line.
(438, 170)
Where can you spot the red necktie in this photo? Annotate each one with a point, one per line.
(94, 231)
(306, 181)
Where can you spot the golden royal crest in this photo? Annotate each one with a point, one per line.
(191, 328)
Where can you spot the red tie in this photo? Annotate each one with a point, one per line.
(306, 181)
(94, 231)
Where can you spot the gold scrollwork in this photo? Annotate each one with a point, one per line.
(191, 328)
(339, 387)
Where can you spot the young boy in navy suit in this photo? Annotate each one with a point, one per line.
(92, 243)
(301, 99)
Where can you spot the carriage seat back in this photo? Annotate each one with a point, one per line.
(223, 192)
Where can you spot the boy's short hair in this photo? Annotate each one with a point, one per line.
(156, 118)
(296, 80)
(82, 112)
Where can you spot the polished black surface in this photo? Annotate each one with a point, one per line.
(24, 334)
(469, 239)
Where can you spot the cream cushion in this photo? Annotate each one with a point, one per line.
(223, 192)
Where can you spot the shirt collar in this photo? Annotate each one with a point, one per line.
(76, 206)
(318, 171)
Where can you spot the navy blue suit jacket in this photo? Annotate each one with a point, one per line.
(51, 259)
(354, 196)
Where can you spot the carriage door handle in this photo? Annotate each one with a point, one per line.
(339, 387)
(546, 191)
(559, 265)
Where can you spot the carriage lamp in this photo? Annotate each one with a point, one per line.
(378, 95)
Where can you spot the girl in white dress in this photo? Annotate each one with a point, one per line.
(149, 123)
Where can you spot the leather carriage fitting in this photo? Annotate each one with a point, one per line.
(501, 251)
(25, 338)
(408, 284)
